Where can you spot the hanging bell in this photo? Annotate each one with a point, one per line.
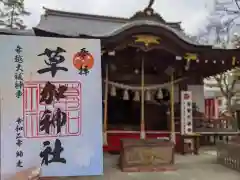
(126, 95)
(136, 96)
(160, 94)
(113, 91)
(148, 96)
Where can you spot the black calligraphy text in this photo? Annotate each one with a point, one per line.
(54, 59)
(19, 142)
(55, 153)
(51, 93)
(18, 76)
(56, 119)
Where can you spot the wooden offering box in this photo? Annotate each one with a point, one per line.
(146, 155)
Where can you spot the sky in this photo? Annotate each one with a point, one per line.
(192, 13)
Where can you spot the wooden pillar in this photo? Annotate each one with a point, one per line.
(173, 135)
(105, 122)
(142, 132)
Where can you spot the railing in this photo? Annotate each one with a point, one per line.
(213, 125)
(202, 124)
(228, 155)
(215, 129)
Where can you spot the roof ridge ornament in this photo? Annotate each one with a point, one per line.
(148, 14)
(151, 2)
(149, 10)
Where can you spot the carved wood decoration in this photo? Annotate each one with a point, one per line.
(190, 57)
(147, 40)
(146, 154)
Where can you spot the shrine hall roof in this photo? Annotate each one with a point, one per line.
(26, 32)
(76, 24)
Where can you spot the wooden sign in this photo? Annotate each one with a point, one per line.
(186, 112)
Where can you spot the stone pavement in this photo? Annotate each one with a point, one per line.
(189, 167)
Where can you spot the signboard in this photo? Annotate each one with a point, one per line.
(51, 105)
(186, 113)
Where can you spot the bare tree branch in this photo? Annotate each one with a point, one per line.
(226, 81)
(11, 13)
(233, 86)
(230, 11)
(219, 79)
(219, 23)
(236, 2)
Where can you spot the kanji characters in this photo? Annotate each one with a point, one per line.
(55, 153)
(19, 142)
(18, 72)
(50, 92)
(54, 59)
(50, 118)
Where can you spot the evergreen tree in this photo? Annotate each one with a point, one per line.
(11, 13)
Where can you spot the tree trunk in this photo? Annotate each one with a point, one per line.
(233, 121)
(12, 17)
(229, 104)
